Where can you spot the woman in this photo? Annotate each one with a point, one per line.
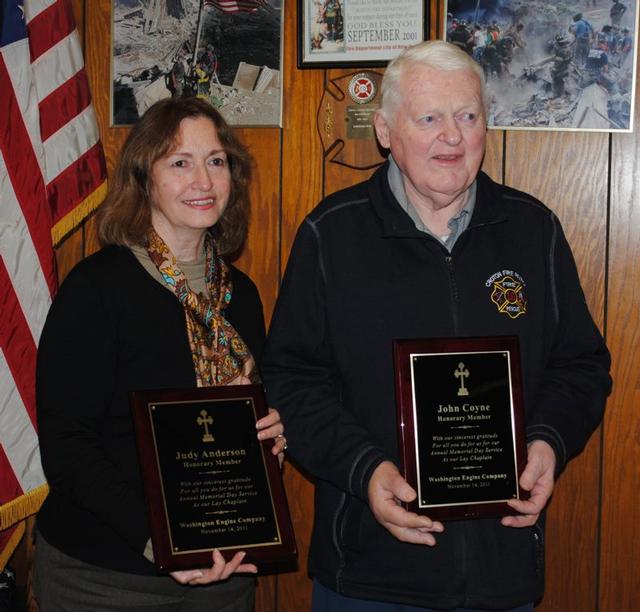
(135, 316)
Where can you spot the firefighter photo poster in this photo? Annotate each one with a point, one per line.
(334, 33)
(561, 65)
(228, 52)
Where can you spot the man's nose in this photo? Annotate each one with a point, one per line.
(450, 133)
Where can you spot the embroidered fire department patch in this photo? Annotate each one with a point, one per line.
(508, 293)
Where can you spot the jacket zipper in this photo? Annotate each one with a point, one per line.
(453, 291)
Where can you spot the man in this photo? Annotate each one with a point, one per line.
(490, 59)
(517, 33)
(462, 37)
(626, 46)
(176, 77)
(205, 72)
(583, 32)
(331, 18)
(519, 43)
(596, 67)
(414, 252)
(505, 52)
(452, 24)
(561, 58)
(479, 41)
(616, 12)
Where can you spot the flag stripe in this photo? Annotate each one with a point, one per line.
(73, 140)
(20, 74)
(19, 355)
(18, 437)
(9, 485)
(32, 8)
(48, 27)
(64, 103)
(58, 65)
(77, 182)
(235, 6)
(23, 172)
(20, 257)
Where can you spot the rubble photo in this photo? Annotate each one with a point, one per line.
(551, 65)
(227, 52)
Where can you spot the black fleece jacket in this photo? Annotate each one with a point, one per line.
(111, 329)
(360, 275)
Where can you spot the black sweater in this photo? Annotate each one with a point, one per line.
(360, 275)
(111, 329)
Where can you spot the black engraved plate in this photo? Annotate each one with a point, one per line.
(460, 424)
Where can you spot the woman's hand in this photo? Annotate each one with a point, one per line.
(271, 426)
(220, 570)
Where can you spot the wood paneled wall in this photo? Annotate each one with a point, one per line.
(590, 180)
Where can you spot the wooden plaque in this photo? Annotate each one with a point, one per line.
(209, 482)
(460, 424)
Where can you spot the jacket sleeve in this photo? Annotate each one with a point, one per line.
(575, 382)
(75, 380)
(302, 380)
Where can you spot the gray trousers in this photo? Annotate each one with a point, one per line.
(64, 584)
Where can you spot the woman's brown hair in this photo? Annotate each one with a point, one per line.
(125, 216)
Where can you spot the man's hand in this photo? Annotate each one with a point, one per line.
(219, 571)
(538, 478)
(386, 489)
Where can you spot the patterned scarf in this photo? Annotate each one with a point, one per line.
(220, 356)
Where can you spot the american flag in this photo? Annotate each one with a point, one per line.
(52, 174)
(235, 6)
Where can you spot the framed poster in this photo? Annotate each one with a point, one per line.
(335, 33)
(561, 66)
(228, 52)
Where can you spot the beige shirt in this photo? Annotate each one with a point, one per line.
(194, 271)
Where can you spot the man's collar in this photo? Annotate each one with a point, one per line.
(396, 183)
(396, 222)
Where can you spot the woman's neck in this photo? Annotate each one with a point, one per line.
(186, 246)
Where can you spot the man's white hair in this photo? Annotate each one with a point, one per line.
(434, 54)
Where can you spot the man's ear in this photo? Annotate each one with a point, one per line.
(382, 129)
